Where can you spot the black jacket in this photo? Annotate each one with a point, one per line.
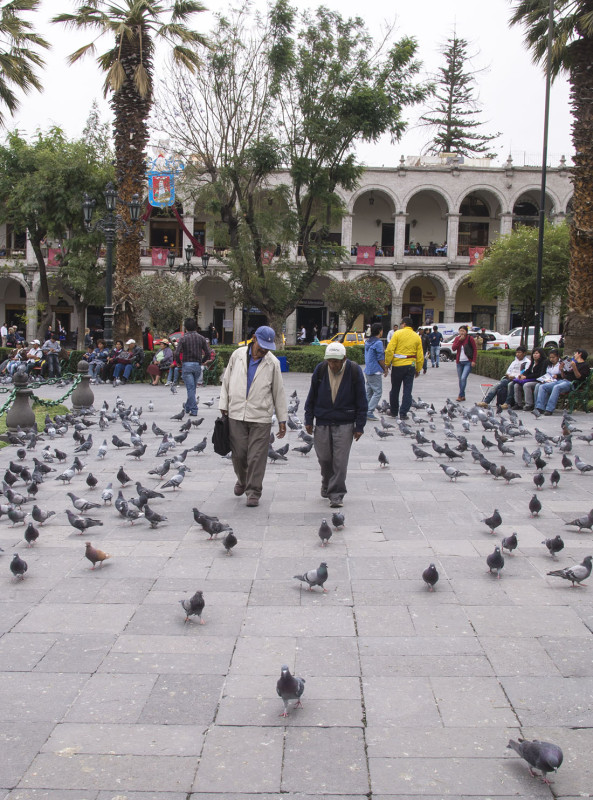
(351, 401)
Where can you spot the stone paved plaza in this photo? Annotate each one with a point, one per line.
(106, 694)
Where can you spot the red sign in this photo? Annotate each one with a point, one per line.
(366, 255)
(53, 256)
(159, 256)
(475, 255)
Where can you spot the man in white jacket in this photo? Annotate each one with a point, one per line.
(252, 389)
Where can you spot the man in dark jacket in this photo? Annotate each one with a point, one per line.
(337, 400)
(194, 351)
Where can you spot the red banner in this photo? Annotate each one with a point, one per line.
(475, 255)
(159, 256)
(53, 254)
(366, 255)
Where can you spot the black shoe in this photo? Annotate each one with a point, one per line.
(324, 492)
(437, 366)
(548, 413)
(404, 416)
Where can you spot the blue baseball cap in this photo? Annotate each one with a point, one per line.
(266, 337)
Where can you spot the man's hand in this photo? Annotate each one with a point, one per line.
(224, 413)
(309, 429)
(386, 372)
(473, 364)
(281, 430)
(357, 435)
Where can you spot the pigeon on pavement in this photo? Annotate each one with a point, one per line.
(554, 545)
(81, 523)
(94, 555)
(153, 517)
(544, 756)
(338, 520)
(289, 687)
(31, 534)
(80, 504)
(194, 607)
(555, 479)
(325, 533)
(509, 543)
(539, 480)
(420, 453)
(122, 476)
(315, 577)
(494, 521)
(229, 541)
(535, 506)
(582, 522)
(383, 460)
(41, 516)
(495, 561)
(430, 577)
(452, 473)
(576, 574)
(18, 567)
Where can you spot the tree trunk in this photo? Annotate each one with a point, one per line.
(276, 321)
(80, 323)
(43, 297)
(578, 330)
(131, 112)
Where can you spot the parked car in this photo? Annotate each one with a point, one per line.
(349, 339)
(513, 338)
(494, 341)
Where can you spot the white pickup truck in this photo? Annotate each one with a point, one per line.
(513, 338)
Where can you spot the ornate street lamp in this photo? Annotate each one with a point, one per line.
(109, 225)
(187, 268)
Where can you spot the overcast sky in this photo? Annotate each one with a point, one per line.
(511, 89)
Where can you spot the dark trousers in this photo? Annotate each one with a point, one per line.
(332, 446)
(250, 442)
(401, 376)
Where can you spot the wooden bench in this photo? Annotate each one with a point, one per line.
(580, 394)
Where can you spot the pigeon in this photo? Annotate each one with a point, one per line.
(544, 756)
(304, 450)
(18, 567)
(161, 471)
(229, 541)
(194, 607)
(509, 543)
(85, 446)
(554, 545)
(211, 525)
(582, 522)
(338, 520)
(91, 481)
(451, 454)
(107, 493)
(420, 453)
(131, 514)
(137, 452)
(540, 463)
(176, 480)
(555, 479)
(95, 555)
(67, 475)
(438, 448)
(452, 473)
(539, 480)
(315, 577)
(153, 517)
(494, 521)
(81, 523)
(150, 494)
(576, 574)
(430, 577)
(386, 425)
(324, 533)
(510, 476)
(150, 405)
(122, 476)
(582, 466)
(179, 416)
(382, 434)
(487, 443)
(200, 447)
(16, 516)
(289, 687)
(41, 516)
(275, 456)
(566, 462)
(115, 440)
(495, 561)
(535, 506)
(31, 534)
(383, 460)
(80, 504)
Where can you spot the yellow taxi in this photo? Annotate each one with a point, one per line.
(248, 341)
(350, 339)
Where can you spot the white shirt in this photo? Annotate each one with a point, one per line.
(389, 335)
(3, 331)
(518, 366)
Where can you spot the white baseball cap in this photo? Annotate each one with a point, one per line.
(131, 341)
(335, 350)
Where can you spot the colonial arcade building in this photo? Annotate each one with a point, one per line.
(426, 218)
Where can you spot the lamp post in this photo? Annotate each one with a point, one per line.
(109, 225)
(187, 267)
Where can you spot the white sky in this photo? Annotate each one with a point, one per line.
(511, 90)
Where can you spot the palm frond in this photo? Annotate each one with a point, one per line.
(142, 80)
(183, 8)
(116, 77)
(82, 51)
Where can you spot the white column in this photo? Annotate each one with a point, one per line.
(188, 221)
(31, 313)
(400, 218)
(291, 325)
(503, 311)
(347, 234)
(552, 318)
(396, 309)
(506, 224)
(237, 323)
(449, 315)
(452, 235)
(558, 219)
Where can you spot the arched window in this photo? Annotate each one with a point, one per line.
(473, 206)
(415, 294)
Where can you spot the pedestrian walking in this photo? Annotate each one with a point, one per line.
(467, 352)
(374, 368)
(252, 390)
(405, 356)
(193, 350)
(434, 341)
(338, 404)
(425, 348)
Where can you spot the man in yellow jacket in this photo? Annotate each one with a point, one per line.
(405, 356)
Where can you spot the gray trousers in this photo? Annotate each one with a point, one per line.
(525, 390)
(250, 442)
(332, 445)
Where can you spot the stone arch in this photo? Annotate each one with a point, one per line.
(567, 204)
(439, 191)
(535, 190)
(433, 276)
(486, 189)
(368, 189)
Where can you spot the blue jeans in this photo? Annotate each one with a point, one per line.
(500, 389)
(95, 368)
(548, 394)
(463, 370)
(173, 375)
(125, 368)
(374, 390)
(435, 352)
(190, 372)
(401, 376)
(53, 365)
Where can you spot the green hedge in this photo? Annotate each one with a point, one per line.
(299, 358)
(493, 363)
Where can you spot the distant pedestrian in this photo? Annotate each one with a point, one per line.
(193, 350)
(252, 390)
(425, 348)
(374, 368)
(467, 352)
(434, 341)
(405, 356)
(391, 332)
(147, 339)
(337, 402)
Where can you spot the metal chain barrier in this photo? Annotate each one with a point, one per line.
(8, 403)
(48, 403)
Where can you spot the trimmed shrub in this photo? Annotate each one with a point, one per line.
(493, 363)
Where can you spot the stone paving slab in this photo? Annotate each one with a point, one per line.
(107, 694)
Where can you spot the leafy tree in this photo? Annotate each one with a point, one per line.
(133, 26)
(166, 300)
(41, 186)
(572, 52)
(293, 93)
(364, 296)
(509, 267)
(19, 57)
(455, 109)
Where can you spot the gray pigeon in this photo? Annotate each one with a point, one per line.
(495, 561)
(81, 523)
(325, 533)
(18, 567)
(554, 545)
(494, 521)
(315, 577)
(544, 756)
(289, 687)
(510, 543)
(80, 504)
(229, 541)
(535, 506)
(420, 453)
(107, 493)
(576, 574)
(41, 516)
(383, 460)
(430, 576)
(451, 472)
(153, 517)
(194, 607)
(338, 520)
(31, 534)
(582, 522)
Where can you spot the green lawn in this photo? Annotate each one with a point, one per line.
(40, 412)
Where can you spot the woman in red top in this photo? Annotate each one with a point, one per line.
(465, 347)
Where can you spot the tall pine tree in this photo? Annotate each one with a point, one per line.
(455, 108)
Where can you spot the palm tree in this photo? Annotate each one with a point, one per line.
(572, 52)
(18, 53)
(135, 26)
